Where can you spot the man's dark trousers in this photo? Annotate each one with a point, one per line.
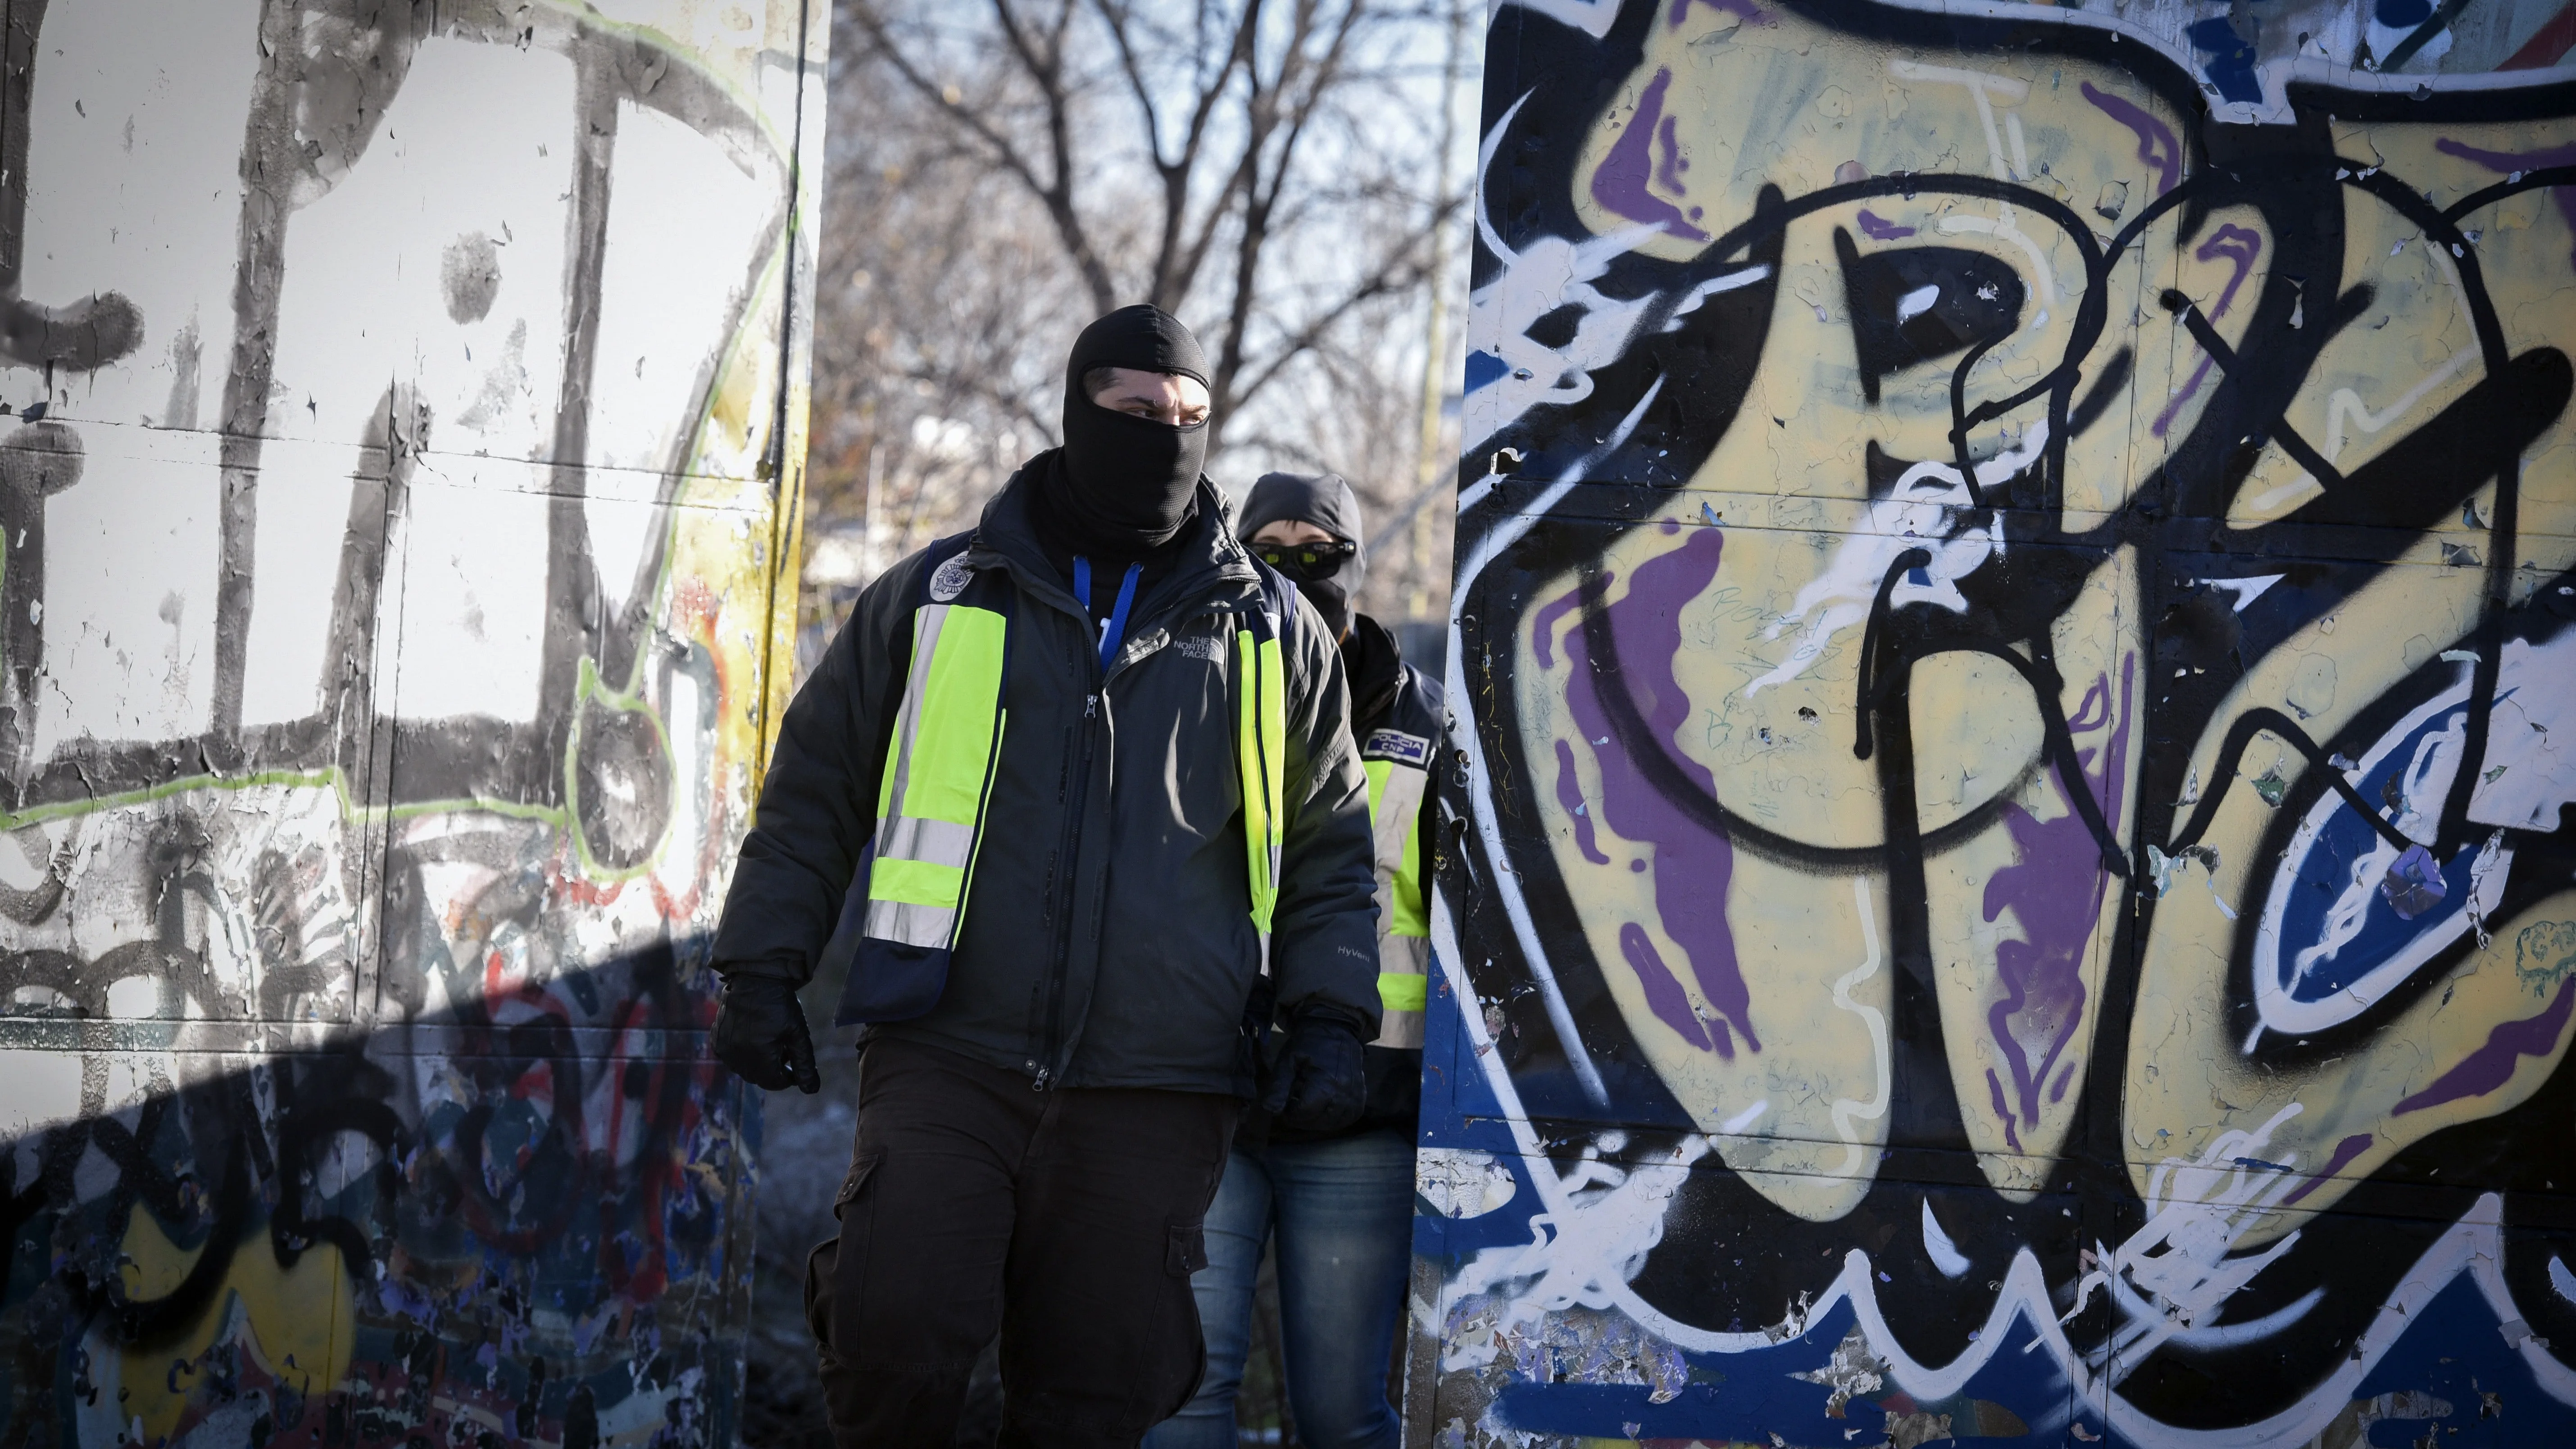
(1069, 1221)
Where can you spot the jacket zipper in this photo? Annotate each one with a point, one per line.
(1043, 1070)
(1068, 884)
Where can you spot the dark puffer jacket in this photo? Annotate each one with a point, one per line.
(1400, 715)
(1107, 940)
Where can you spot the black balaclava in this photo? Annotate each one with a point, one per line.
(1326, 501)
(1125, 485)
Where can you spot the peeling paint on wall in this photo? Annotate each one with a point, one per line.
(401, 423)
(2007, 872)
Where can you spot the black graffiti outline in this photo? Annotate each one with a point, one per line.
(388, 760)
(1652, 752)
(1488, 613)
(76, 337)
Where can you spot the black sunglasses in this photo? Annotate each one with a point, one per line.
(1307, 561)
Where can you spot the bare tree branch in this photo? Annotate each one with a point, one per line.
(1045, 66)
(1002, 170)
(1260, 204)
(1401, 268)
(1176, 266)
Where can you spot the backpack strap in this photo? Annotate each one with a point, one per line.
(1279, 597)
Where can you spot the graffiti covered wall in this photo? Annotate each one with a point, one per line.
(401, 412)
(2006, 873)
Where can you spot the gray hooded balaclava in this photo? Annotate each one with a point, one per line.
(1326, 501)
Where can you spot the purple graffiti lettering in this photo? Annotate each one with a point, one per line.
(1569, 793)
(1620, 183)
(1692, 862)
(2491, 1066)
(2055, 891)
(1543, 623)
(2003, 1111)
(2190, 390)
(1669, 170)
(2508, 162)
(2241, 247)
(1879, 228)
(2237, 245)
(2345, 1151)
(1664, 994)
(2156, 144)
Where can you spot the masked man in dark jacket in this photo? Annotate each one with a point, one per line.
(1341, 1198)
(1075, 796)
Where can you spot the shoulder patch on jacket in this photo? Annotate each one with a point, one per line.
(950, 580)
(1413, 750)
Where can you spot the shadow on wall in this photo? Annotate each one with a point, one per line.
(510, 1221)
(391, 540)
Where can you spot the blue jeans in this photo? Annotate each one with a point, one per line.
(1344, 1210)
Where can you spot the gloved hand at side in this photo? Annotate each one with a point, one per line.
(1321, 1081)
(760, 1034)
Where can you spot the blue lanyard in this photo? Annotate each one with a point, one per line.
(1113, 630)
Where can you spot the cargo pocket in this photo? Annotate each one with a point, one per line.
(823, 1265)
(1179, 1353)
(861, 1167)
(1186, 1251)
(818, 1289)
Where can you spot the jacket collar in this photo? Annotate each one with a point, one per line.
(1208, 553)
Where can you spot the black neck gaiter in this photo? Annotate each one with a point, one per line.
(1374, 663)
(1125, 485)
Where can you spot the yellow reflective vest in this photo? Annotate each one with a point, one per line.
(1398, 767)
(938, 779)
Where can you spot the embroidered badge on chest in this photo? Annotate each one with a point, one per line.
(950, 580)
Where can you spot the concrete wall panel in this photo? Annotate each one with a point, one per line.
(401, 425)
(2007, 872)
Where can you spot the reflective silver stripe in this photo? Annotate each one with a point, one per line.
(902, 837)
(939, 842)
(926, 926)
(1402, 956)
(1399, 804)
(907, 722)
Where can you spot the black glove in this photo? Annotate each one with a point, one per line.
(760, 1033)
(1321, 1081)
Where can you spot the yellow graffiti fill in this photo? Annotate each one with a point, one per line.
(297, 1323)
(1831, 463)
